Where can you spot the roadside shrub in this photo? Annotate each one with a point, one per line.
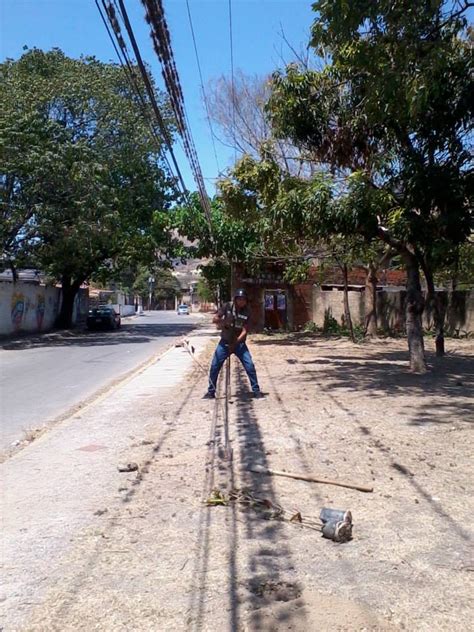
(331, 326)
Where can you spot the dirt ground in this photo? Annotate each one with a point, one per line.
(163, 560)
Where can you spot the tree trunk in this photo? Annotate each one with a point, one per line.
(371, 301)
(347, 312)
(12, 267)
(68, 292)
(414, 311)
(433, 302)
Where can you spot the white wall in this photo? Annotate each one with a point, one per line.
(391, 309)
(123, 310)
(29, 307)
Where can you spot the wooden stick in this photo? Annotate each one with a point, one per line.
(311, 479)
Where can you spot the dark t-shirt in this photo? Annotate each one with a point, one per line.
(236, 320)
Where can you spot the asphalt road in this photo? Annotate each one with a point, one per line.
(41, 377)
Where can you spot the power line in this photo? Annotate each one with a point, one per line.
(129, 72)
(162, 44)
(110, 34)
(155, 17)
(206, 103)
(151, 93)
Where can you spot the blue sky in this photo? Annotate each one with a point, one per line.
(75, 27)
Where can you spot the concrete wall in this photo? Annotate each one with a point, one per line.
(30, 307)
(459, 308)
(391, 309)
(300, 305)
(331, 303)
(124, 310)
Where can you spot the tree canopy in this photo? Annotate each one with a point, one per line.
(388, 122)
(82, 183)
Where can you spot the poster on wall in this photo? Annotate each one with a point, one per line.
(269, 301)
(281, 301)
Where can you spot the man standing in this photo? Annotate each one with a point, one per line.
(233, 321)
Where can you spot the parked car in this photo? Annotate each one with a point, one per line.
(183, 310)
(103, 318)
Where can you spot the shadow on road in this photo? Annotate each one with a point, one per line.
(134, 333)
(269, 560)
(257, 555)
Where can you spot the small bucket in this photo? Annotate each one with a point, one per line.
(335, 515)
(337, 531)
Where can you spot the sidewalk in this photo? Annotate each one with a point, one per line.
(86, 547)
(52, 490)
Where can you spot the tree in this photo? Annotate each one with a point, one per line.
(391, 117)
(457, 271)
(163, 286)
(81, 179)
(237, 107)
(215, 282)
(226, 238)
(166, 286)
(295, 220)
(205, 292)
(376, 256)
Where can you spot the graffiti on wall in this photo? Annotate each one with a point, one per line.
(18, 306)
(40, 309)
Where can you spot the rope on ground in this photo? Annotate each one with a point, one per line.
(338, 530)
(227, 448)
(334, 525)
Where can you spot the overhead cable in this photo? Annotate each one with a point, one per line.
(149, 89)
(204, 96)
(160, 35)
(129, 72)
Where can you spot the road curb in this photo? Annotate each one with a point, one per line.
(94, 398)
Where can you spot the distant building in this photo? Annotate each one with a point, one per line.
(188, 276)
(28, 275)
(277, 304)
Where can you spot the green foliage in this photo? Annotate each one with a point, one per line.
(205, 292)
(310, 327)
(232, 238)
(284, 213)
(297, 272)
(332, 328)
(359, 333)
(81, 181)
(391, 115)
(216, 276)
(457, 270)
(164, 284)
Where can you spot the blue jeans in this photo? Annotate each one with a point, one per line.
(220, 356)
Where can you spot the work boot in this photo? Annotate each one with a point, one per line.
(209, 395)
(258, 395)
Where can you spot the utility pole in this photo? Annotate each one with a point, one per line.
(233, 279)
(151, 281)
